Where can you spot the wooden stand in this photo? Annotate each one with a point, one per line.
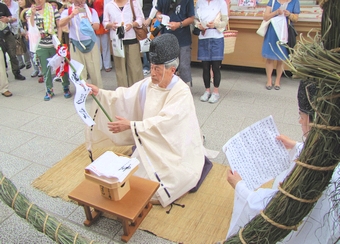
(130, 210)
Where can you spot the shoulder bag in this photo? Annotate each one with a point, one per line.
(142, 32)
(291, 35)
(264, 25)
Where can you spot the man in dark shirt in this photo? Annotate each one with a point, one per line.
(182, 14)
(7, 40)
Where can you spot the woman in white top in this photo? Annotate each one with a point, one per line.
(211, 17)
(118, 13)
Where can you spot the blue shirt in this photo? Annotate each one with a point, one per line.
(184, 9)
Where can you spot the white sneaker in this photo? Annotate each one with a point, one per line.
(214, 98)
(146, 72)
(205, 96)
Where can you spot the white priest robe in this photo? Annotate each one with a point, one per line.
(319, 226)
(164, 128)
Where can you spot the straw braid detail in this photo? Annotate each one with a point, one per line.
(281, 226)
(28, 210)
(297, 198)
(317, 168)
(241, 237)
(15, 197)
(44, 226)
(325, 127)
(56, 233)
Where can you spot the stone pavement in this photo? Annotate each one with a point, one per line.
(35, 134)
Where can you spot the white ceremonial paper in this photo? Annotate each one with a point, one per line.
(110, 165)
(256, 154)
(82, 90)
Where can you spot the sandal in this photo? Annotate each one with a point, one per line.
(108, 70)
(277, 87)
(269, 87)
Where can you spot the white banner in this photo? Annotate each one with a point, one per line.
(82, 90)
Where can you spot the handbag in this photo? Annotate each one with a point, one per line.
(196, 31)
(292, 34)
(262, 30)
(118, 47)
(141, 32)
(229, 40)
(20, 45)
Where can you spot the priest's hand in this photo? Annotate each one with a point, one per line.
(121, 124)
(94, 89)
(233, 178)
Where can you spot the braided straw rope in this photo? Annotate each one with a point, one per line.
(44, 226)
(75, 238)
(15, 197)
(297, 198)
(56, 233)
(241, 237)
(317, 168)
(325, 127)
(2, 179)
(281, 226)
(28, 210)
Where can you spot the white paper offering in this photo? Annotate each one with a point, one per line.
(110, 165)
(256, 154)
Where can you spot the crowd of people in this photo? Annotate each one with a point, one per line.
(89, 26)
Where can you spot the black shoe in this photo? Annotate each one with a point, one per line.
(28, 66)
(19, 77)
(22, 66)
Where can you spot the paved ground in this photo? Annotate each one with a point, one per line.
(35, 134)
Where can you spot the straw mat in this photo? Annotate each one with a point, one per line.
(204, 219)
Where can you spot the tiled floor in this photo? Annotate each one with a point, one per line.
(35, 134)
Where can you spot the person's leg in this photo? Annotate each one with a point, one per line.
(98, 43)
(215, 96)
(269, 72)
(11, 47)
(92, 60)
(184, 67)
(43, 54)
(35, 66)
(146, 64)
(120, 69)
(20, 61)
(27, 59)
(279, 71)
(216, 68)
(66, 85)
(206, 79)
(106, 54)
(3, 77)
(134, 67)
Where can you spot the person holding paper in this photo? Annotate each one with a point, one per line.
(320, 226)
(181, 14)
(211, 19)
(46, 19)
(119, 19)
(270, 50)
(157, 114)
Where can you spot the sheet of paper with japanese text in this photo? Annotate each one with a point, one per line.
(256, 154)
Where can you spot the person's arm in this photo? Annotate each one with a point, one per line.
(66, 18)
(95, 20)
(139, 15)
(33, 12)
(269, 13)
(152, 14)
(7, 18)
